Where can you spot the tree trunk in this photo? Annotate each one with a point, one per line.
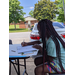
(15, 25)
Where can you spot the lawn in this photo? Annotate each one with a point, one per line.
(12, 29)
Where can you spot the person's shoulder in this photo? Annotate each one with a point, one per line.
(50, 39)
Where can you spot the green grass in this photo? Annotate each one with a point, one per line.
(12, 29)
(12, 26)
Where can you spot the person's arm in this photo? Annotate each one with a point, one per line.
(30, 43)
(37, 46)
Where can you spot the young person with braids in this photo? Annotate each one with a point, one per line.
(53, 50)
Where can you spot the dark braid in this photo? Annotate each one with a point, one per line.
(54, 37)
(51, 28)
(43, 34)
(47, 27)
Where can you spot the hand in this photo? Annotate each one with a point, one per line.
(24, 44)
(37, 46)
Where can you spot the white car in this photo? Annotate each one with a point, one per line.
(59, 27)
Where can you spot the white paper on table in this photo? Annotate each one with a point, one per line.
(26, 49)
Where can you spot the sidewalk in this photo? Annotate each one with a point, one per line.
(29, 65)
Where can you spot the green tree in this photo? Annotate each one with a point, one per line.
(31, 13)
(59, 5)
(45, 9)
(15, 12)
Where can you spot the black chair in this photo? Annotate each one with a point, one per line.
(10, 41)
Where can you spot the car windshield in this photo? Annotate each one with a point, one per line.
(57, 24)
(35, 27)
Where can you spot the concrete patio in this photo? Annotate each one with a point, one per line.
(29, 65)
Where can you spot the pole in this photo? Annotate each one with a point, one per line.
(63, 7)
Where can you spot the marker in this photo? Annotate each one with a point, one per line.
(13, 51)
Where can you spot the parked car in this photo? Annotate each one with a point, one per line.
(59, 27)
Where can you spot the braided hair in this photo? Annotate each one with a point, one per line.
(47, 30)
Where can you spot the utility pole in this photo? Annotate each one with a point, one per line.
(63, 7)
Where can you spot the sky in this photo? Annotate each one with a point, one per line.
(28, 5)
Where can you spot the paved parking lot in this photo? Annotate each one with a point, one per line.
(17, 38)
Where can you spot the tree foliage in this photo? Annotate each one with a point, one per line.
(45, 9)
(59, 5)
(31, 13)
(15, 12)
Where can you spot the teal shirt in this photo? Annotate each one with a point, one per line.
(51, 51)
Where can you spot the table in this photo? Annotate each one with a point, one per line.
(13, 55)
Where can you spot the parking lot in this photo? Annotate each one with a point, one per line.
(17, 38)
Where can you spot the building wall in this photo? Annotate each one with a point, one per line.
(32, 22)
(25, 25)
(21, 24)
